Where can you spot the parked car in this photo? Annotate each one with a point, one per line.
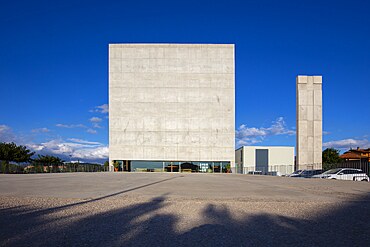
(307, 173)
(255, 172)
(296, 173)
(344, 174)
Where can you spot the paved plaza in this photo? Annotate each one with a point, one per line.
(174, 209)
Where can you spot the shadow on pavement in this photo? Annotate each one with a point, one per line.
(50, 210)
(143, 225)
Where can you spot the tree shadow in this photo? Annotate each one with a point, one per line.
(148, 224)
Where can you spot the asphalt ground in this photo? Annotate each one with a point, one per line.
(162, 209)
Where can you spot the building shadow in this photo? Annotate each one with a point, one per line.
(145, 224)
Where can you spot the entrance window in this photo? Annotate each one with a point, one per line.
(171, 166)
(147, 166)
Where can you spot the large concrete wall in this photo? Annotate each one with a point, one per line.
(281, 156)
(171, 102)
(309, 122)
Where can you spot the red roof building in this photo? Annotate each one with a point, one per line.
(356, 154)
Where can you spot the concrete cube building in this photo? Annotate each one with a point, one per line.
(171, 107)
(309, 122)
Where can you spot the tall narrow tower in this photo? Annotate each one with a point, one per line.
(309, 122)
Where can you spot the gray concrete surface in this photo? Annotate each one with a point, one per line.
(309, 122)
(178, 185)
(171, 102)
(161, 209)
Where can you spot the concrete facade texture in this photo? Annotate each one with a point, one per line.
(171, 102)
(280, 159)
(309, 122)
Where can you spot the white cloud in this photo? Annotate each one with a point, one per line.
(70, 126)
(84, 150)
(97, 126)
(278, 127)
(95, 119)
(248, 141)
(6, 134)
(347, 144)
(35, 147)
(251, 135)
(4, 128)
(101, 108)
(73, 148)
(91, 131)
(40, 130)
(244, 131)
(83, 141)
(52, 147)
(95, 153)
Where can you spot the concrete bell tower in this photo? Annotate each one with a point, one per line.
(309, 122)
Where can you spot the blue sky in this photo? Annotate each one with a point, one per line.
(54, 65)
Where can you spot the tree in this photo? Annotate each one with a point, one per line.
(330, 157)
(49, 160)
(10, 152)
(106, 165)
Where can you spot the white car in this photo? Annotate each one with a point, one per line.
(344, 174)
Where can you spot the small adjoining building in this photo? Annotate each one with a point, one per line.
(265, 160)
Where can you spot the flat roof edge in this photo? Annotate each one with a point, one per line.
(169, 44)
(265, 147)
